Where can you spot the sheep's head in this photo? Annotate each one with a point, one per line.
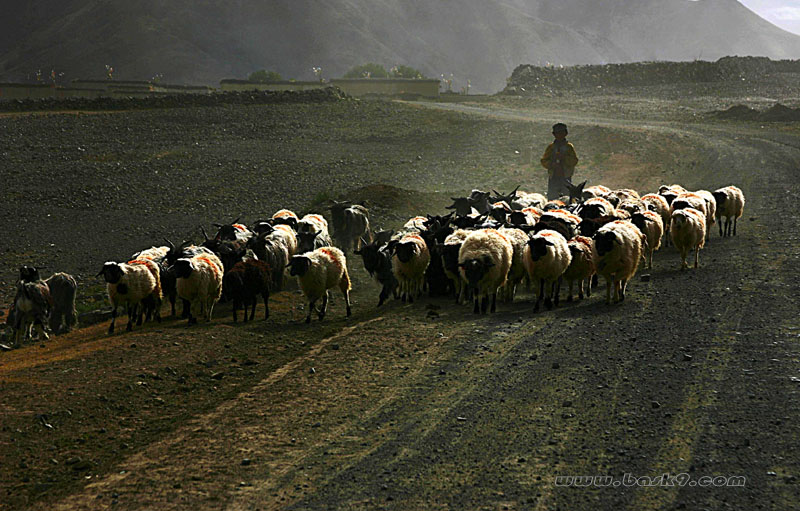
(450, 256)
(631, 206)
(539, 247)
(299, 265)
(461, 205)
(111, 272)
(371, 255)
(499, 211)
(680, 204)
(720, 198)
(639, 220)
(29, 274)
(575, 191)
(405, 251)
(285, 220)
(183, 268)
(517, 218)
(593, 210)
(262, 227)
(604, 242)
(475, 269)
(305, 241)
(668, 195)
(228, 231)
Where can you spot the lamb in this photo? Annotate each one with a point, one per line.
(378, 263)
(200, 283)
(134, 285)
(650, 224)
(547, 257)
(411, 259)
(516, 272)
(581, 267)
(688, 231)
(62, 287)
(244, 282)
(484, 261)
(32, 305)
(616, 251)
(730, 204)
(319, 271)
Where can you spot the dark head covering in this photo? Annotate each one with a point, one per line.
(559, 127)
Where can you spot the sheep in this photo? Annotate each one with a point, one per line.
(589, 226)
(500, 211)
(312, 223)
(528, 200)
(575, 192)
(167, 272)
(670, 192)
(410, 260)
(554, 204)
(62, 287)
(616, 251)
(659, 204)
(516, 272)
(233, 231)
(32, 306)
(312, 233)
(285, 235)
(273, 251)
(595, 191)
(688, 231)
(378, 263)
(134, 285)
(581, 267)
(415, 224)
(567, 219)
(355, 227)
(449, 254)
(632, 206)
(711, 210)
(595, 207)
(480, 201)
(730, 204)
(285, 217)
(484, 261)
(461, 206)
(151, 254)
(650, 224)
(623, 194)
(244, 282)
(547, 257)
(200, 283)
(318, 271)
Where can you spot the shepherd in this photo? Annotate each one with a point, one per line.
(559, 159)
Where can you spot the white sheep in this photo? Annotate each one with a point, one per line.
(409, 262)
(547, 257)
(659, 204)
(596, 191)
(415, 224)
(313, 223)
(650, 224)
(285, 217)
(318, 271)
(152, 254)
(595, 207)
(516, 273)
(730, 204)
(199, 281)
(528, 200)
(711, 210)
(616, 251)
(688, 231)
(484, 261)
(581, 268)
(286, 235)
(134, 285)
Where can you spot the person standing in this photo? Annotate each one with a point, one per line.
(560, 160)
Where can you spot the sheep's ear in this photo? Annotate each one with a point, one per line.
(548, 242)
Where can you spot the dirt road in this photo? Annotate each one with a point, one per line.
(426, 406)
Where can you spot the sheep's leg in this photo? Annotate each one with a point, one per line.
(557, 298)
(253, 303)
(609, 282)
(623, 286)
(580, 291)
(539, 296)
(113, 320)
(588, 288)
(734, 225)
(310, 310)
(235, 307)
(548, 297)
(343, 286)
(696, 256)
(42, 333)
(265, 296)
(131, 312)
(476, 299)
(484, 303)
(324, 307)
(595, 281)
(494, 302)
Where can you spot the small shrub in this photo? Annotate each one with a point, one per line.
(264, 76)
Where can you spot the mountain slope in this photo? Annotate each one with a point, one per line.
(480, 40)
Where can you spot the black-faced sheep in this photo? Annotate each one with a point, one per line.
(285, 217)
(616, 251)
(688, 231)
(730, 204)
(517, 272)
(649, 223)
(273, 251)
(378, 263)
(136, 285)
(547, 257)
(63, 289)
(484, 260)
(595, 191)
(411, 259)
(318, 271)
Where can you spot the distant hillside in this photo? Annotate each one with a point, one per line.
(481, 40)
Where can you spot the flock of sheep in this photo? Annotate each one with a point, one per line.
(488, 245)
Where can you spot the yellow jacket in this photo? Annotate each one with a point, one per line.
(568, 158)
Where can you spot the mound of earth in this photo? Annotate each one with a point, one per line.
(776, 113)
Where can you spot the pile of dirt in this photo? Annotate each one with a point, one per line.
(326, 95)
(527, 79)
(776, 113)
